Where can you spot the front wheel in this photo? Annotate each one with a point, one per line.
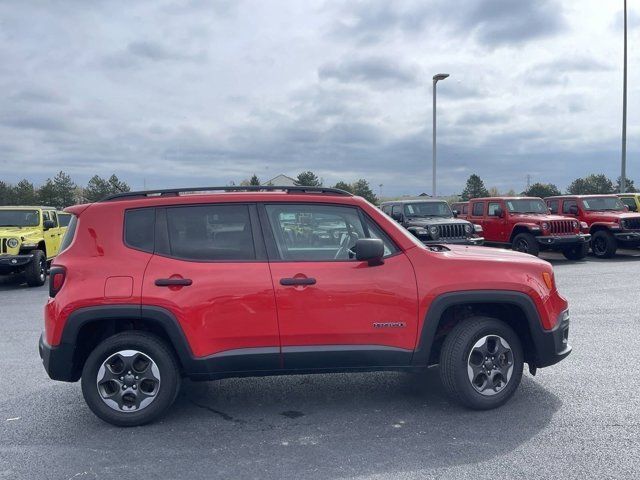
(130, 379)
(604, 244)
(481, 363)
(36, 271)
(577, 252)
(526, 243)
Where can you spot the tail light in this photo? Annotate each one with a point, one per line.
(57, 276)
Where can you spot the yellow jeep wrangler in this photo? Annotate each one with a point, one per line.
(29, 239)
(631, 200)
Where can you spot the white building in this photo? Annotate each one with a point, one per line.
(281, 181)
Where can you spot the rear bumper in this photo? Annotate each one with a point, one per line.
(11, 263)
(553, 345)
(563, 240)
(58, 361)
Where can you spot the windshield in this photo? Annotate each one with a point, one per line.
(532, 205)
(19, 218)
(427, 209)
(603, 204)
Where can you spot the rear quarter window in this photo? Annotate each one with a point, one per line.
(139, 229)
(69, 234)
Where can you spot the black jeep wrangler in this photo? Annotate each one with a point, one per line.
(433, 222)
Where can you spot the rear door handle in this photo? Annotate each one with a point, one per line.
(297, 281)
(171, 282)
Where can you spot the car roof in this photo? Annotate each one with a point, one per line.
(26, 207)
(488, 199)
(582, 196)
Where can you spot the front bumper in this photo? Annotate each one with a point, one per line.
(563, 240)
(454, 241)
(628, 238)
(11, 263)
(553, 345)
(58, 361)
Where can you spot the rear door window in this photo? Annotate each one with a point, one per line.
(219, 232)
(478, 209)
(567, 204)
(553, 205)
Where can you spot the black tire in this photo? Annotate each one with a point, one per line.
(576, 253)
(36, 271)
(526, 243)
(456, 354)
(604, 244)
(150, 347)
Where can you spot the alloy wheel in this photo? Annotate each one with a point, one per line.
(490, 365)
(128, 381)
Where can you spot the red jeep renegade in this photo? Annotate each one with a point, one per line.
(154, 286)
(605, 216)
(525, 224)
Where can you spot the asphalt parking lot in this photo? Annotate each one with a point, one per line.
(578, 419)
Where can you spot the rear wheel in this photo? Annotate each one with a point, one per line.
(576, 253)
(604, 244)
(481, 363)
(130, 379)
(36, 271)
(526, 243)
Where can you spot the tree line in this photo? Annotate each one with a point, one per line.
(60, 191)
(594, 184)
(359, 187)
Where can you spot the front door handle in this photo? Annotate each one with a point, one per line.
(297, 281)
(173, 282)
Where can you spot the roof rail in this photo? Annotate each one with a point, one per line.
(175, 192)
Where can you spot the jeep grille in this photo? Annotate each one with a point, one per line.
(561, 227)
(632, 223)
(455, 230)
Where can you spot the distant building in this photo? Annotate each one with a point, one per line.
(281, 181)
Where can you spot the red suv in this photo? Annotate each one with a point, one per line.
(154, 286)
(525, 224)
(605, 216)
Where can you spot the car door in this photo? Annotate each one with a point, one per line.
(51, 235)
(494, 225)
(476, 216)
(210, 271)
(333, 310)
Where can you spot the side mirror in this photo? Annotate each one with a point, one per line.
(48, 224)
(626, 208)
(456, 213)
(370, 250)
(499, 212)
(573, 210)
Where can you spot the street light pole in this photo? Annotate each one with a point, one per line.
(439, 76)
(623, 174)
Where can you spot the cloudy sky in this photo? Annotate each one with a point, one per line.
(207, 92)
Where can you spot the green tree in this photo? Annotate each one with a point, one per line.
(65, 190)
(629, 186)
(254, 180)
(24, 193)
(308, 179)
(592, 184)
(344, 186)
(7, 193)
(362, 189)
(97, 188)
(47, 194)
(118, 186)
(474, 189)
(542, 190)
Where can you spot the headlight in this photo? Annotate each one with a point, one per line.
(12, 243)
(545, 226)
(477, 228)
(468, 228)
(420, 231)
(575, 224)
(434, 232)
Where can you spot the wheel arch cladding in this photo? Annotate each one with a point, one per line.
(516, 309)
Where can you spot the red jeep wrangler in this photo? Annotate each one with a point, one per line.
(525, 224)
(605, 216)
(154, 286)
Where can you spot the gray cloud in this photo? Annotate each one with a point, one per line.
(380, 72)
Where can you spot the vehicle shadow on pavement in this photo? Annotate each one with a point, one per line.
(388, 422)
(13, 282)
